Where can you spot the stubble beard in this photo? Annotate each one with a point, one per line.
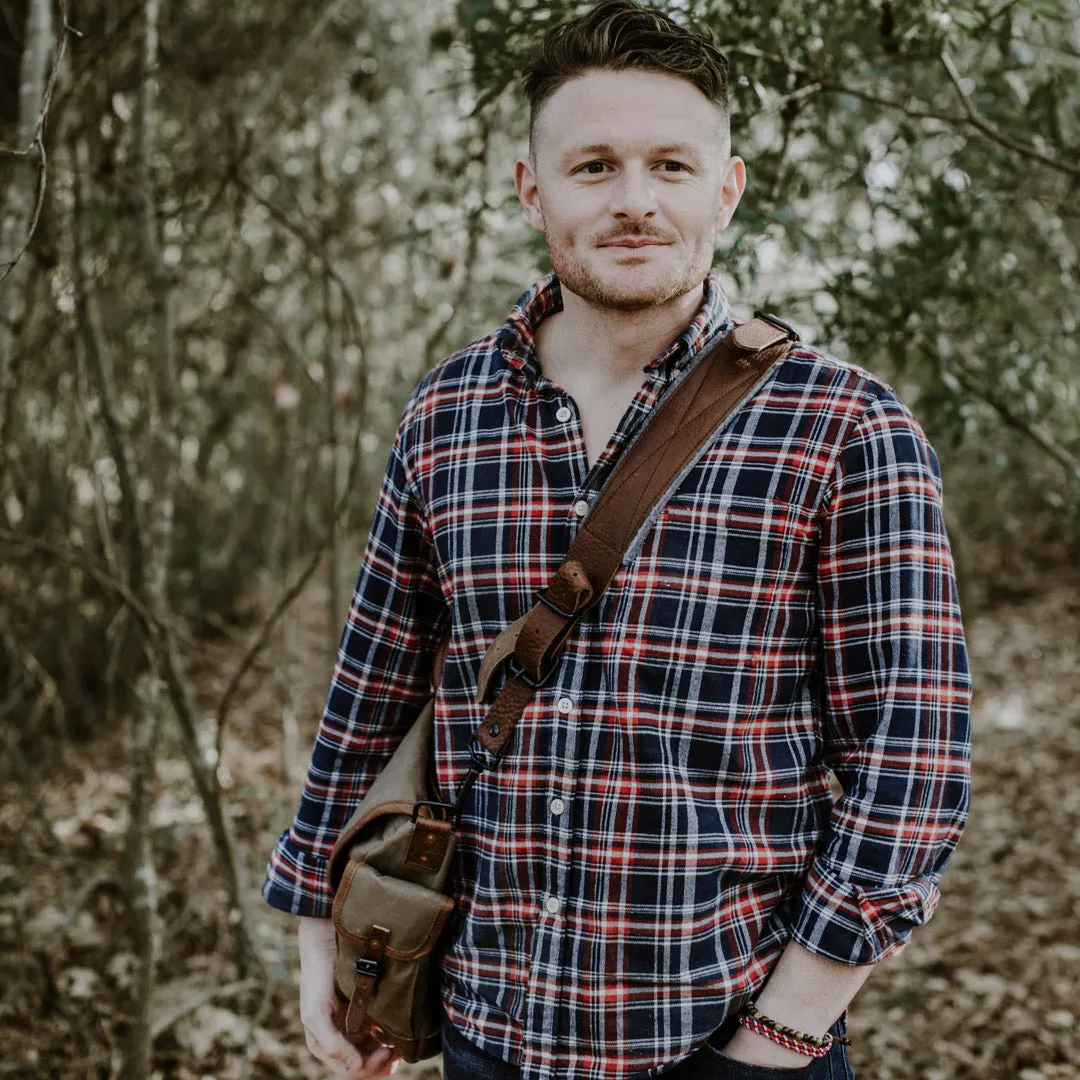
(575, 274)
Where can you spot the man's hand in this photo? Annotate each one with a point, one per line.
(319, 1008)
(806, 992)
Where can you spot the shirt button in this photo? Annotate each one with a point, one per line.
(563, 414)
(557, 807)
(581, 508)
(552, 904)
(565, 705)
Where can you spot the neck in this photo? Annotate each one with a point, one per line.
(613, 344)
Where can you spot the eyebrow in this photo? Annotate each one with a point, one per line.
(607, 150)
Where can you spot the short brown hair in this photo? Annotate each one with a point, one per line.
(619, 35)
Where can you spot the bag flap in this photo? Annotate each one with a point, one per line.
(413, 914)
(401, 784)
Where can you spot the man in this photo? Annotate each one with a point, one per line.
(659, 849)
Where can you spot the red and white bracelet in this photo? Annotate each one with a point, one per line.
(808, 1045)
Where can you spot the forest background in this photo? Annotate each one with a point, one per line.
(233, 237)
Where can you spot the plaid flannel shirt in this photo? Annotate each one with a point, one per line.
(663, 823)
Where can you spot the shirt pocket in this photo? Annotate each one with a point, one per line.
(735, 533)
(738, 568)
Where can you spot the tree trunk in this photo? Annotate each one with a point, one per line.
(22, 195)
(155, 552)
(336, 597)
(142, 892)
(162, 472)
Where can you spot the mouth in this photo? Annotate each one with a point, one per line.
(634, 242)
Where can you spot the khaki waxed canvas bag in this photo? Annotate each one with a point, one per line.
(390, 867)
(390, 903)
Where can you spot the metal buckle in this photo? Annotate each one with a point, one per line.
(792, 333)
(366, 966)
(478, 766)
(542, 597)
(516, 671)
(480, 758)
(432, 805)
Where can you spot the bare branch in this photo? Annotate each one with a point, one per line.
(999, 137)
(1035, 432)
(99, 357)
(287, 597)
(56, 1000)
(475, 229)
(971, 119)
(206, 785)
(352, 308)
(39, 36)
(918, 113)
(975, 386)
(271, 87)
(78, 561)
(48, 699)
(35, 216)
(915, 112)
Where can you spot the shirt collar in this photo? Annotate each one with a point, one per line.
(517, 337)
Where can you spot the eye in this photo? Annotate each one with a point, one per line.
(593, 168)
(673, 166)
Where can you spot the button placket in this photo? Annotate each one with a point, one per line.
(552, 928)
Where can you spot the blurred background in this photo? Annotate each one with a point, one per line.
(234, 236)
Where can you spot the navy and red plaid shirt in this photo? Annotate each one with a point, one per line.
(663, 823)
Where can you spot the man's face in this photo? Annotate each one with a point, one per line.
(630, 181)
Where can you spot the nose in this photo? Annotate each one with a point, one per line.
(633, 198)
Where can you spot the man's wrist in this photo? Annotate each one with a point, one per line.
(317, 935)
(799, 1013)
(754, 1049)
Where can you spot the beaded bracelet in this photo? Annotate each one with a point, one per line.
(808, 1045)
(775, 1036)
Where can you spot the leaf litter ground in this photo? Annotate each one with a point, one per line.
(989, 990)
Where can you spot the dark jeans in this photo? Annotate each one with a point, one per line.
(464, 1061)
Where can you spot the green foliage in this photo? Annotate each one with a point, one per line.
(924, 225)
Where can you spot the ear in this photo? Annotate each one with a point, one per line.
(528, 193)
(731, 191)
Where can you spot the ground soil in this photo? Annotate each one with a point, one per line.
(989, 990)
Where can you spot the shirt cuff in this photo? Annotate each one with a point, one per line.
(858, 924)
(296, 881)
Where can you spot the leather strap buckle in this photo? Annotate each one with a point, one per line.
(569, 616)
(792, 333)
(367, 967)
(516, 671)
(432, 805)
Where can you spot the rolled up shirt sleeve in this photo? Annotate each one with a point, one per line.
(380, 682)
(894, 692)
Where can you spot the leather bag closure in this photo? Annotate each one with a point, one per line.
(366, 899)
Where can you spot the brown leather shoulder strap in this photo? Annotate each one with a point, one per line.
(682, 424)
